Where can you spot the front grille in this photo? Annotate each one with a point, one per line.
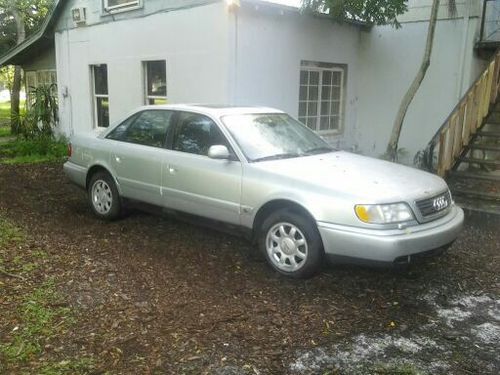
(433, 206)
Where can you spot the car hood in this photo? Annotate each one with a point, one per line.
(373, 180)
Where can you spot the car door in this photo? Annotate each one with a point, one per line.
(137, 154)
(194, 183)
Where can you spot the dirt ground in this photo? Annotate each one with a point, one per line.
(151, 294)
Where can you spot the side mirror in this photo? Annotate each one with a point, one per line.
(219, 152)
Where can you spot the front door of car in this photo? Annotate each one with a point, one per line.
(195, 183)
(137, 154)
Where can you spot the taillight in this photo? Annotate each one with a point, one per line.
(70, 150)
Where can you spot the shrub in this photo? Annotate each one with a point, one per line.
(41, 117)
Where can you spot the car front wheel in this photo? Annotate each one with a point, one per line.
(103, 196)
(291, 244)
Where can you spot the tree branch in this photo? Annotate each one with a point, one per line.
(3, 272)
(392, 147)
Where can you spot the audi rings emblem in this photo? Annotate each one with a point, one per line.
(440, 203)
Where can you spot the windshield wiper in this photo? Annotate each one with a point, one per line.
(319, 150)
(277, 156)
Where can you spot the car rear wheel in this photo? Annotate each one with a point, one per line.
(103, 197)
(291, 244)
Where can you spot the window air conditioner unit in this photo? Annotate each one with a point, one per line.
(79, 15)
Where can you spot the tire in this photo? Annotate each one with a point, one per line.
(103, 197)
(291, 244)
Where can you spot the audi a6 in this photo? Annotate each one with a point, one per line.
(261, 170)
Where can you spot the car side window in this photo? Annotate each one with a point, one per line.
(119, 132)
(147, 128)
(196, 133)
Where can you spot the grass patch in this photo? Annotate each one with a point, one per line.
(31, 151)
(34, 315)
(5, 109)
(9, 233)
(42, 316)
(4, 131)
(403, 369)
(76, 366)
(39, 322)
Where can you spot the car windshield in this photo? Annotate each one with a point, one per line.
(273, 136)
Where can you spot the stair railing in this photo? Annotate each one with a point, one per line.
(465, 119)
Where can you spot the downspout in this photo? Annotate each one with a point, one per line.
(233, 9)
(465, 35)
(67, 93)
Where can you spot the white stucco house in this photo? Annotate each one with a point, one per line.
(345, 81)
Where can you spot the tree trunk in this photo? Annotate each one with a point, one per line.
(392, 147)
(15, 101)
(16, 84)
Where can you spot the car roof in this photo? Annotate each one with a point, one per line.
(216, 110)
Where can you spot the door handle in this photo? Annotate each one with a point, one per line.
(172, 170)
(118, 159)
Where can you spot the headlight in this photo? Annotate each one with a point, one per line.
(383, 213)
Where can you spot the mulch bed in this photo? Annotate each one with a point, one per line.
(153, 294)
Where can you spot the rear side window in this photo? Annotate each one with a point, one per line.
(119, 132)
(147, 128)
(196, 133)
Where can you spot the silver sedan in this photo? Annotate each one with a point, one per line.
(259, 169)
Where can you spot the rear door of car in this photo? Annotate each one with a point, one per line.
(137, 154)
(194, 183)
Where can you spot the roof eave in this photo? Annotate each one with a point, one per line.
(295, 10)
(20, 53)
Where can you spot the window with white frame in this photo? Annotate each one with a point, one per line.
(155, 82)
(100, 94)
(111, 5)
(321, 96)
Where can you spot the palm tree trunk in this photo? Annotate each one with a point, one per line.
(392, 147)
(15, 101)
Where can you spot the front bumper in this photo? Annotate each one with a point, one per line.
(388, 245)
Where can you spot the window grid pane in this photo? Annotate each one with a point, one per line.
(155, 82)
(101, 97)
(320, 97)
(119, 3)
(100, 79)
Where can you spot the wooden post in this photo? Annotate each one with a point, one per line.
(475, 108)
(453, 134)
(480, 103)
(459, 131)
(468, 118)
(494, 86)
(441, 157)
(487, 91)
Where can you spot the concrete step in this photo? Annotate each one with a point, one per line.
(485, 210)
(479, 161)
(476, 190)
(485, 147)
(483, 133)
(474, 176)
(456, 192)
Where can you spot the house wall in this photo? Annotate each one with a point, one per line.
(193, 41)
(388, 62)
(271, 42)
(251, 55)
(44, 61)
(97, 15)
